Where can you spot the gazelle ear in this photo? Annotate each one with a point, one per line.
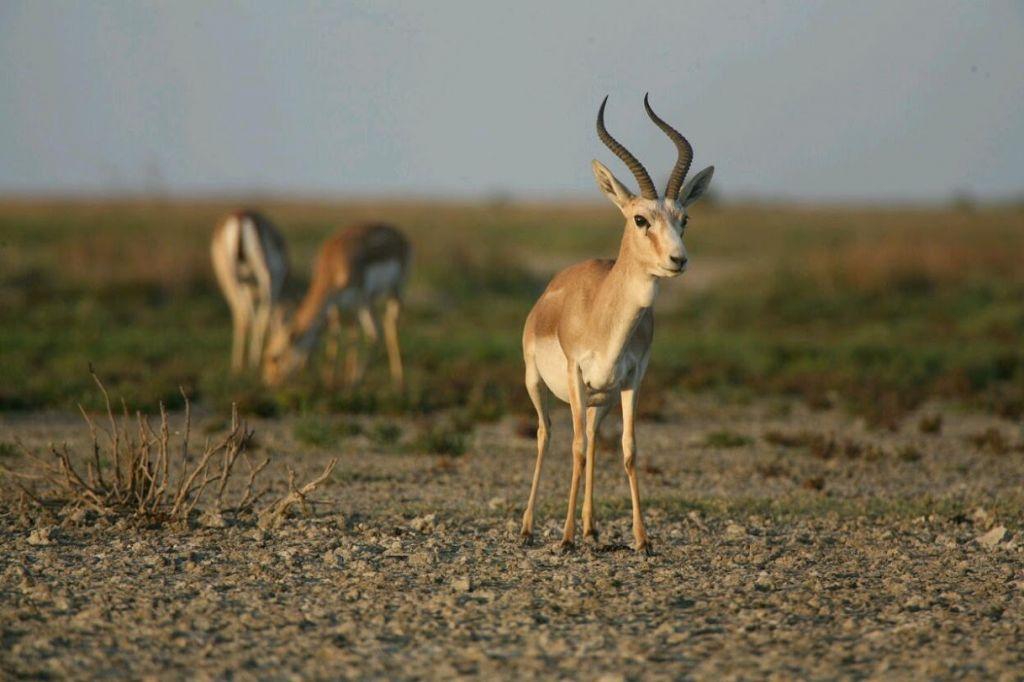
(696, 187)
(612, 188)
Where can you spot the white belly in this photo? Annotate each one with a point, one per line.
(381, 278)
(551, 364)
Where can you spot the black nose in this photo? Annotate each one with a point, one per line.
(679, 262)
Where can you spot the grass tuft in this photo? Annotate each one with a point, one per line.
(727, 439)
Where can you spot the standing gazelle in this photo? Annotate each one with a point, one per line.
(355, 269)
(588, 337)
(251, 263)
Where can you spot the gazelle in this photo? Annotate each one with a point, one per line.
(250, 261)
(588, 337)
(355, 269)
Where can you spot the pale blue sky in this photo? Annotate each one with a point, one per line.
(828, 100)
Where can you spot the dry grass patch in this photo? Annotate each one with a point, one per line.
(136, 470)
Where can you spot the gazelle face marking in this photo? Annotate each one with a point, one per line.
(654, 229)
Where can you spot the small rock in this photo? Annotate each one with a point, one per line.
(462, 584)
(735, 531)
(764, 582)
(42, 536)
(915, 603)
(611, 677)
(423, 524)
(496, 503)
(992, 538)
(981, 517)
(333, 559)
(421, 559)
(212, 519)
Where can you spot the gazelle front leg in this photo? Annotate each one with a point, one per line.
(594, 417)
(629, 398)
(241, 321)
(538, 395)
(361, 346)
(392, 310)
(332, 344)
(579, 444)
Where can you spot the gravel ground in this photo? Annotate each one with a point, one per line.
(787, 544)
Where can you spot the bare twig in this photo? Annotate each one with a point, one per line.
(273, 515)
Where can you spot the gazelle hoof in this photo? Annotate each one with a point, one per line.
(644, 548)
(566, 546)
(525, 538)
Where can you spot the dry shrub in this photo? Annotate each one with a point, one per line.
(137, 472)
(816, 483)
(930, 424)
(772, 469)
(161, 261)
(909, 453)
(822, 445)
(993, 440)
(913, 260)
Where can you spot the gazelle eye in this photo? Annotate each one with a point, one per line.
(641, 221)
(686, 219)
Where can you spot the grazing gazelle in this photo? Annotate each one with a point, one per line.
(251, 263)
(355, 269)
(588, 337)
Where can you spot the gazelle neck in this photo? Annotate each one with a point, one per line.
(622, 298)
(310, 317)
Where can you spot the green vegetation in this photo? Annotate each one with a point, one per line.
(386, 434)
(727, 439)
(323, 431)
(444, 437)
(873, 310)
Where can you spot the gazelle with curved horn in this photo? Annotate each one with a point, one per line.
(355, 270)
(250, 261)
(588, 338)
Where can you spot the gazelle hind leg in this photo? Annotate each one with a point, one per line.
(238, 325)
(392, 311)
(629, 398)
(257, 339)
(241, 320)
(539, 397)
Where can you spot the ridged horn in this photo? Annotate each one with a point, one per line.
(683, 160)
(647, 189)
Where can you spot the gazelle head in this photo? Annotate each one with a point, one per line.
(283, 355)
(654, 230)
